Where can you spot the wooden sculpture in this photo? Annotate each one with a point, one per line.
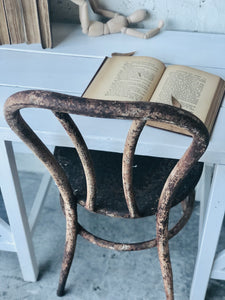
(117, 22)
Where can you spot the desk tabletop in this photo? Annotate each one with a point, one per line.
(73, 61)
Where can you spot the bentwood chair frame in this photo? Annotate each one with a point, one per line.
(140, 112)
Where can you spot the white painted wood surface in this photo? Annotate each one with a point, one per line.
(15, 208)
(205, 185)
(70, 65)
(68, 68)
(210, 235)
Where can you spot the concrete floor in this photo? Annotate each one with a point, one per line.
(99, 273)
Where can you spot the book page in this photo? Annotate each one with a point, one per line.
(125, 78)
(194, 89)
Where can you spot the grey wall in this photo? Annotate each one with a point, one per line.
(191, 15)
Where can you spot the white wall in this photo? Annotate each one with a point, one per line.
(190, 15)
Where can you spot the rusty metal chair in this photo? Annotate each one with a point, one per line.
(170, 181)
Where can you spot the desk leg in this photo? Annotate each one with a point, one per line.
(210, 235)
(14, 204)
(206, 181)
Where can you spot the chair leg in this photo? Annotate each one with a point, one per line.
(163, 253)
(62, 204)
(70, 245)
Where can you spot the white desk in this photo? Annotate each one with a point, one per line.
(68, 68)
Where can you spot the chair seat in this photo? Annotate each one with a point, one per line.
(149, 176)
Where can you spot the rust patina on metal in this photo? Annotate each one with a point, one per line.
(63, 105)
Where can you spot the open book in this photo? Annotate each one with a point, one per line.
(134, 78)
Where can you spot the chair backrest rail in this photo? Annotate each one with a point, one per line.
(127, 166)
(84, 155)
(62, 104)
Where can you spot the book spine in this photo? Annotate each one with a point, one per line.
(31, 22)
(44, 22)
(4, 33)
(14, 18)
